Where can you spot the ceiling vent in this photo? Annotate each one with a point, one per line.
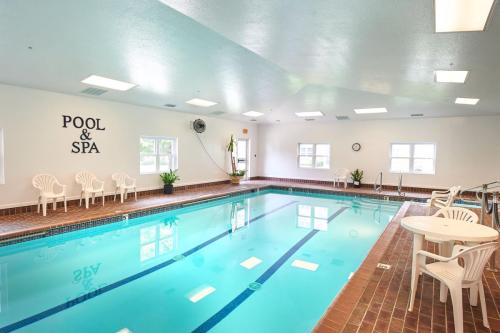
(168, 105)
(94, 91)
(342, 117)
(417, 114)
(217, 113)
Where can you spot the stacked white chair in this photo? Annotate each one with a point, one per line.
(47, 185)
(455, 214)
(90, 187)
(123, 184)
(455, 277)
(341, 175)
(441, 199)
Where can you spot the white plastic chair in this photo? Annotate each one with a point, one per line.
(90, 186)
(453, 213)
(441, 199)
(46, 184)
(455, 277)
(124, 183)
(341, 175)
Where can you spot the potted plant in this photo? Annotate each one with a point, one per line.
(357, 176)
(169, 178)
(236, 176)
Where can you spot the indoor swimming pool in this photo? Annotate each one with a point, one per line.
(270, 261)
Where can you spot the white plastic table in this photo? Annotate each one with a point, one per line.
(445, 229)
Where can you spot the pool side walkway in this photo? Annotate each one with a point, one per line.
(376, 300)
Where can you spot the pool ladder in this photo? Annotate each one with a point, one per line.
(379, 187)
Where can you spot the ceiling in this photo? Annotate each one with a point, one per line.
(274, 56)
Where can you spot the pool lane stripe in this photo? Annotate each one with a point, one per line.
(64, 306)
(238, 300)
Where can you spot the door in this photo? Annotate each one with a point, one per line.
(242, 154)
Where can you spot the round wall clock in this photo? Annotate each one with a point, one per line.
(356, 146)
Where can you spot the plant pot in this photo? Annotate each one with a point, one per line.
(356, 184)
(235, 180)
(168, 189)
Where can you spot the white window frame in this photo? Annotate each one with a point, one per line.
(314, 156)
(2, 158)
(157, 155)
(412, 158)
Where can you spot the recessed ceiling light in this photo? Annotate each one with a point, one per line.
(201, 102)
(253, 114)
(309, 114)
(310, 266)
(370, 110)
(202, 294)
(250, 262)
(468, 101)
(100, 81)
(462, 15)
(451, 76)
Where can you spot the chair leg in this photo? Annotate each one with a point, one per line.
(87, 200)
(135, 193)
(65, 205)
(414, 285)
(39, 204)
(473, 295)
(121, 195)
(458, 314)
(103, 198)
(114, 198)
(483, 305)
(54, 203)
(81, 197)
(44, 206)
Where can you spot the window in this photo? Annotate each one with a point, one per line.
(156, 240)
(413, 158)
(2, 160)
(158, 154)
(314, 155)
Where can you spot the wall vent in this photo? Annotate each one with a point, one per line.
(417, 114)
(342, 117)
(169, 105)
(217, 113)
(94, 91)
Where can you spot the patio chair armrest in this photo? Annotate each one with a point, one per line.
(97, 184)
(63, 187)
(129, 181)
(426, 254)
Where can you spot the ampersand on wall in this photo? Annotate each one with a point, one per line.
(85, 145)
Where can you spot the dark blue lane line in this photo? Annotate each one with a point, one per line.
(64, 306)
(238, 300)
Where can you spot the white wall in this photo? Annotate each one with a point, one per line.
(35, 141)
(468, 149)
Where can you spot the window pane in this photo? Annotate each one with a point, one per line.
(166, 163)
(423, 165)
(321, 212)
(305, 161)
(320, 224)
(322, 162)
(400, 165)
(424, 151)
(148, 146)
(323, 150)
(148, 234)
(306, 149)
(148, 251)
(166, 146)
(400, 150)
(241, 166)
(148, 164)
(305, 210)
(304, 222)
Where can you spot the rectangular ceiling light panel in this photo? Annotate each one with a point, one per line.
(201, 102)
(451, 76)
(100, 81)
(202, 294)
(370, 110)
(467, 101)
(251, 262)
(309, 114)
(310, 266)
(462, 15)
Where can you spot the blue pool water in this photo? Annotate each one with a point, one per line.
(182, 270)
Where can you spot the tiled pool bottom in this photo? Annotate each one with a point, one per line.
(377, 300)
(271, 255)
